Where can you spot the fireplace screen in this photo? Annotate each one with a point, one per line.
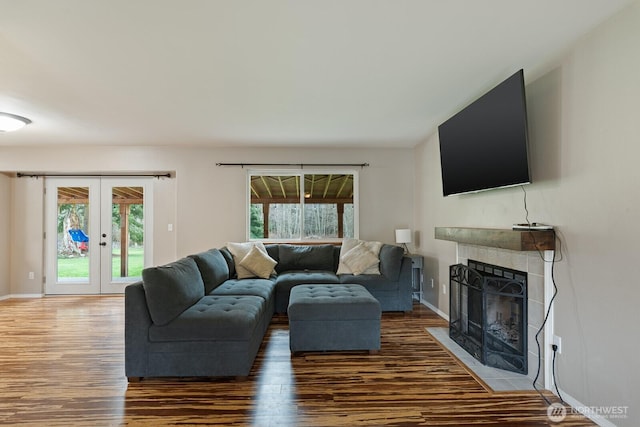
(488, 314)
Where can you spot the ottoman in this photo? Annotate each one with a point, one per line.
(327, 317)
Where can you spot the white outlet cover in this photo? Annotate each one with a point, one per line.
(558, 341)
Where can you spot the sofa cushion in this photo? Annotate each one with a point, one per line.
(223, 318)
(349, 244)
(258, 287)
(274, 251)
(291, 278)
(213, 268)
(171, 289)
(300, 257)
(229, 258)
(258, 263)
(360, 258)
(286, 281)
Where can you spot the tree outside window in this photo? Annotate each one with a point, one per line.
(302, 206)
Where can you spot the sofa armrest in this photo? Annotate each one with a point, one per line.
(391, 258)
(137, 321)
(405, 285)
(405, 278)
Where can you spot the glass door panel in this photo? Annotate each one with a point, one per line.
(73, 234)
(73, 264)
(125, 254)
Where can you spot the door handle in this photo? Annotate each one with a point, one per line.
(103, 243)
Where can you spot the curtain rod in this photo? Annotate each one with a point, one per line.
(93, 175)
(302, 165)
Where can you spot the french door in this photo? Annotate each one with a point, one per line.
(98, 234)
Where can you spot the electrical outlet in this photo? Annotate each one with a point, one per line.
(169, 227)
(32, 275)
(444, 289)
(557, 341)
(432, 283)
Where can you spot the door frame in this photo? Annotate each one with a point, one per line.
(99, 280)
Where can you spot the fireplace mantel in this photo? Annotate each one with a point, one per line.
(514, 240)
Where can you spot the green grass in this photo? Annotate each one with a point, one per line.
(79, 267)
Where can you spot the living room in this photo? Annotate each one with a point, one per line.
(582, 112)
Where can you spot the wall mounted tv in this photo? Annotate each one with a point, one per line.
(484, 146)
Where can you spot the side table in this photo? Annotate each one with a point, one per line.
(417, 275)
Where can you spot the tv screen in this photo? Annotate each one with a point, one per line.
(484, 146)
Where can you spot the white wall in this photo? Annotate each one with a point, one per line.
(5, 235)
(26, 236)
(584, 124)
(219, 193)
(204, 202)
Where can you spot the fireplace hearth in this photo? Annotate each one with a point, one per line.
(488, 314)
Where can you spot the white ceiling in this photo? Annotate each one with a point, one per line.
(373, 73)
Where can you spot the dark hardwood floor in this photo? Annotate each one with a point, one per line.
(62, 364)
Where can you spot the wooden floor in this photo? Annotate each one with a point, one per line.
(62, 363)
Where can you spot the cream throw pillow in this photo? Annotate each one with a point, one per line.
(359, 259)
(258, 263)
(239, 251)
(348, 244)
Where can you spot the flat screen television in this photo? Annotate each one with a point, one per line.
(485, 145)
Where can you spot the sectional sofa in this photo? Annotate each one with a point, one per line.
(203, 316)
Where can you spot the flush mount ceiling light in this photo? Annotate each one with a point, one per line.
(11, 122)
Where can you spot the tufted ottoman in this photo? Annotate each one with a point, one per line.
(333, 317)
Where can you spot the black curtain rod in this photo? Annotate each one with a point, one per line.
(302, 165)
(90, 175)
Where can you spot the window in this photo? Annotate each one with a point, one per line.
(302, 205)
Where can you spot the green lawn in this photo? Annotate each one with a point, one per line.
(79, 267)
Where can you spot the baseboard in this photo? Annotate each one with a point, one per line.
(436, 309)
(587, 411)
(11, 296)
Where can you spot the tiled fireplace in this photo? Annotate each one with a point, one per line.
(522, 252)
(532, 264)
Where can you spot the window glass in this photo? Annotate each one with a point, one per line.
(275, 207)
(325, 199)
(307, 206)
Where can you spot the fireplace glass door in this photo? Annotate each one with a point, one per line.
(488, 314)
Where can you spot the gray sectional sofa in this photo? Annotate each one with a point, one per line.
(194, 317)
